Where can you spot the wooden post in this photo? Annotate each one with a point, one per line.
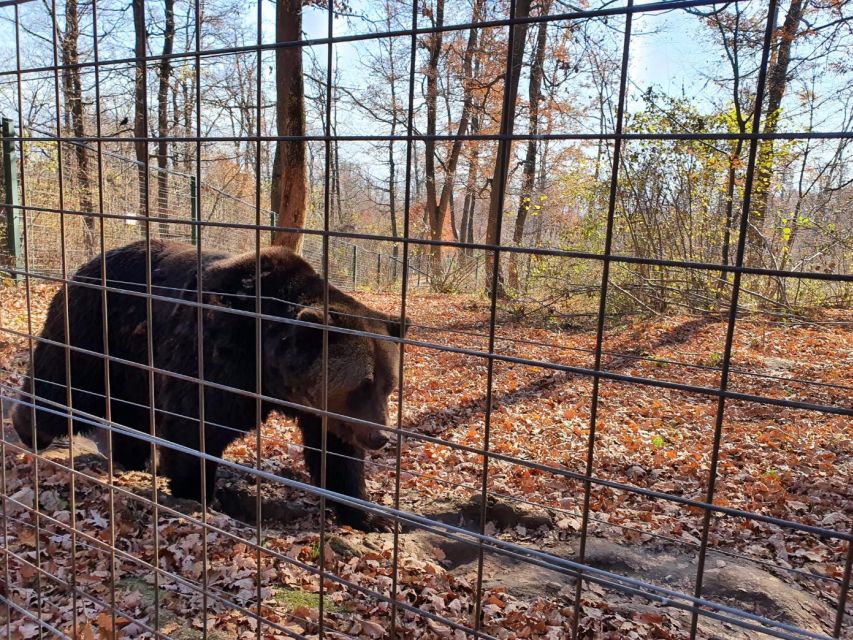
(14, 216)
(194, 210)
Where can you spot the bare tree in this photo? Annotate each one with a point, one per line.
(466, 226)
(529, 167)
(504, 151)
(140, 144)
(730, 29)
(75, 114)
(289, 190)
(183, 93)
(433, 46)
(163, 115)
(777, 82)
(472, 190)
(807, 38)
(437, 206)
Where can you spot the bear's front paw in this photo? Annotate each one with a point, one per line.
(363, 521)
(378, 524)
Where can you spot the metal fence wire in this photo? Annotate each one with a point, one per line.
(488, 525)
(193, 204)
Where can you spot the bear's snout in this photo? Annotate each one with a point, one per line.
(373, 439)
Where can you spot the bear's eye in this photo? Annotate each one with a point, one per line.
(364, 387)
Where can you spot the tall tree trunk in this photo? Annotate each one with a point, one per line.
(392, 163)
(431, 210)
(289, 192)
(470, 238)
(392, 193)
(463, 223)
(140, 145)
(731, 178)
(777, 82)
(163, 117)
(337, 164)
(504, 151)
(76, 116)
(467, 232)
(416, 171)
(188, 91)
(437, 210)
(528, 177)
(452, 209)
(187, 86)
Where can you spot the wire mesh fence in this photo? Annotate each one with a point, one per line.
(602, 473)
(183, 208)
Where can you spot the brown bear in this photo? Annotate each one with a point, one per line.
(361, 372)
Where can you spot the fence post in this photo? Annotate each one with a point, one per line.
(273, 222)
(194, 210)
(354, 266)
(12, 200)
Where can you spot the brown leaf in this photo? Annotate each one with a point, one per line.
(372, 629)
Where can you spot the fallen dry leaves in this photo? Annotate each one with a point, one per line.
(788, 463)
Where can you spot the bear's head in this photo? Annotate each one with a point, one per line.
(360, 368)
(358, 374)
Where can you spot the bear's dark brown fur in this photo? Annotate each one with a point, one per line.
(361, 373)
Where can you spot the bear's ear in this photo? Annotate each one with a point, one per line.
(306, 336)
(311, 314)
(250, 272)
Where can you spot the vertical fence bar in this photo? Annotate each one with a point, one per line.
(12, 200)
(502, 159)
(378, 269)
(324, 420)
(259, 374)
(589, 464)
(407, 210)
(28, 297)
(194, 210)
(273, 222)
(740, 256)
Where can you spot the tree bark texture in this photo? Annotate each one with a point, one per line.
(163, 117)
(504, 150)
(528, 178)
(438, 206)
(289, 192)
(140, 145)
(75, 114)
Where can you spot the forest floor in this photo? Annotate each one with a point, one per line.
(789, 463)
